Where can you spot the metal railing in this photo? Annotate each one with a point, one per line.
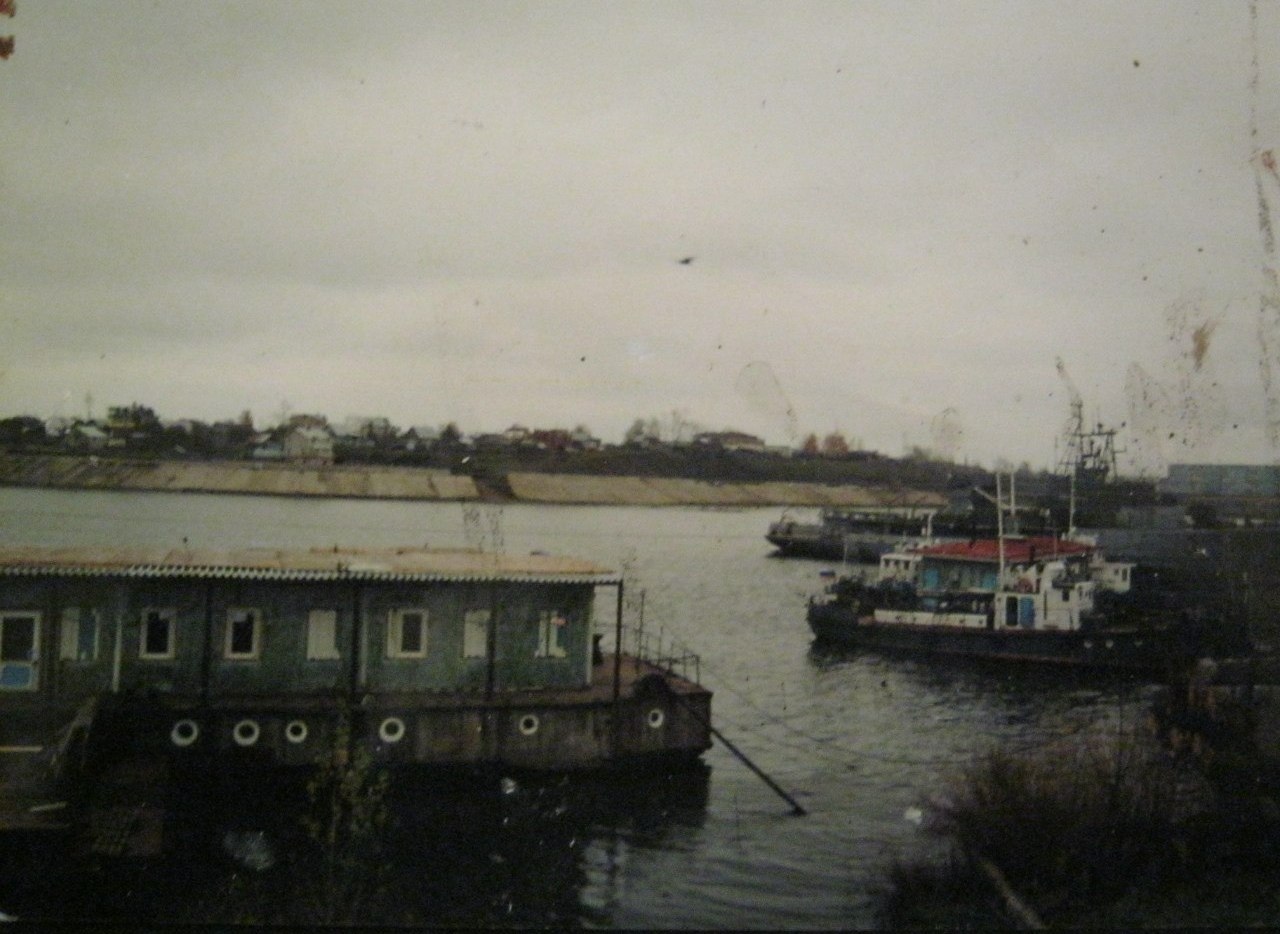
(662, 652)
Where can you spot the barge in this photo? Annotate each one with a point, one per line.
(272, 657)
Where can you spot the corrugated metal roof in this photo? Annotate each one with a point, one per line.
(317, 564)
(1016, 550)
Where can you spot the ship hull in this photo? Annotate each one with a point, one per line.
(1144, 650)
(813, 541)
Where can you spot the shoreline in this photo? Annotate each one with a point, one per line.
(420, 484)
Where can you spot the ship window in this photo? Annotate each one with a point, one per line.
(79, 635)
(475, 634)
(19, 646)
(322, 635)
(244, 634)
(157, 637)
(551, 627)
(407, 634)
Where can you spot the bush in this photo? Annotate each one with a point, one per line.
(1081, 822)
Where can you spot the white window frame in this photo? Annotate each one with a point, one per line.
(32, 663)
(322, 635)
(71, 627)
(170, 616)
(475, 633)
(549, 630)
(238, 615)
(395, 632)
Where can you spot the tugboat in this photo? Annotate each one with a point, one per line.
(1027, 599)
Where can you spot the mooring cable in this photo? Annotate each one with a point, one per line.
(796, 809)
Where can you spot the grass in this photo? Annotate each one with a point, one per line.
(1112, 833)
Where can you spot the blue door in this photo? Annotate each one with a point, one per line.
(1027, 612)
(19, 651)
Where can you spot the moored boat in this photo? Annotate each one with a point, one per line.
(272, 657)
(855, 535)
(1036, 599)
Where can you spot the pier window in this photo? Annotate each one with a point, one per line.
(78, 635)
(157, 638)
(244, 634)
(407, 634)
(475, 634)
(551, 627)
(19, 648)
(322, 635)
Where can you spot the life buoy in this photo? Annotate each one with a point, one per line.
(246, 733)
(184, 733)
(391, 730)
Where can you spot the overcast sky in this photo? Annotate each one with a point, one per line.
(898, 218)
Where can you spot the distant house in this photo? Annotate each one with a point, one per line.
(585, 440)
(489, 440)
(729, 441)
(308, 444)
(516, 434)
(87, 437)
(302, 420)
(266, 447)
(550, 439)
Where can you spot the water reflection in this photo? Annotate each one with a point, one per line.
(466, 849)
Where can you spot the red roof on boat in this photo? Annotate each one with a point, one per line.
(1016, 550)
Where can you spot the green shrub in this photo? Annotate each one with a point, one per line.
(1080, 821)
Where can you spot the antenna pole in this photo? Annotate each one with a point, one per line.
(999, 530)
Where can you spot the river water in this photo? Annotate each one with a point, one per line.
(860, 740)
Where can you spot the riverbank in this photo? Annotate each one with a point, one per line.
(413, 483)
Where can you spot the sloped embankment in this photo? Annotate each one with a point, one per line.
(95, 473)
(375, 482)
(674, 491)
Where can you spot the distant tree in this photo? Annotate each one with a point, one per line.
(22, 430)
(636, 433)
(810, 445)
(7, 8)
(834, 445)
(231, 438)
(134, 417)
(1203, 515)
(450, 434)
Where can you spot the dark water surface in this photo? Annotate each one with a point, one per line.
(859, 739)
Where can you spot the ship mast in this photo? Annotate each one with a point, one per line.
(1089, 455)
(999, 531)
(1071, 508)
